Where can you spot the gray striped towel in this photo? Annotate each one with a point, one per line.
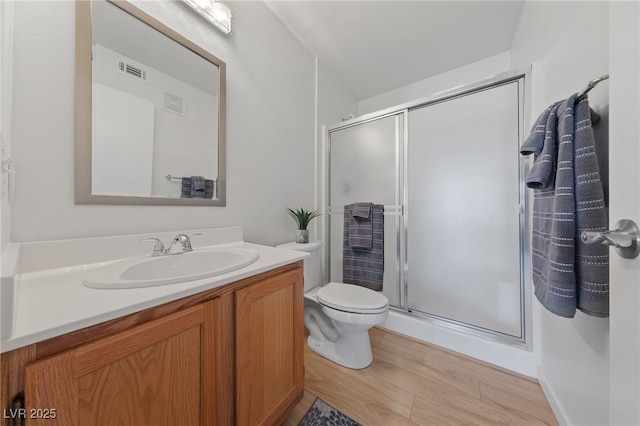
(186, 188)
(361, 226)
(208, 189)
(364, 266)
(197, 186)
(568, 199)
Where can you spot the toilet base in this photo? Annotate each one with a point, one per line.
(351, 351)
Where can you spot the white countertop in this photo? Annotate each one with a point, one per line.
(53, 302)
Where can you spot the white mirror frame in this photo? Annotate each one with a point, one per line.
(83, 87)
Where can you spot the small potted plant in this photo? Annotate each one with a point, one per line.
(302, 218)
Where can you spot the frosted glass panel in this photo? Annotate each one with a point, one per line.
(364, 168)
(363, 163)
(463, 211)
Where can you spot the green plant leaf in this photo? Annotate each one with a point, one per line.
(302, 217)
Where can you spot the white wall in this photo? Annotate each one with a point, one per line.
(571, 41)
(121, 142)
(270, 128)
(6, 54)
(335, 102)
(430, 86)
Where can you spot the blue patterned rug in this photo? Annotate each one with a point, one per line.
(322, 414)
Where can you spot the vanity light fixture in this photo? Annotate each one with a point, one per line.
(213, 12)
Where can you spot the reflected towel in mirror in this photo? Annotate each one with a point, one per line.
(197, 186)
(191, 190)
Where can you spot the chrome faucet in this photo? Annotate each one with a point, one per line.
(185, 240)
(159, 250)
(158, 247)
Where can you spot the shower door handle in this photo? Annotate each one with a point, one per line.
(625, 238)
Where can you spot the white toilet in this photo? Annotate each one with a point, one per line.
(339, 330)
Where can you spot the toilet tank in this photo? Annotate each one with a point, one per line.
(311, 263)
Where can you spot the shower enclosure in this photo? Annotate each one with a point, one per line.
(448, 171)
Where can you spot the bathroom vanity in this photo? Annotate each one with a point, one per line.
(219, 351)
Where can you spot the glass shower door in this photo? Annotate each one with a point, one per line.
(464, 210)
(365, 166)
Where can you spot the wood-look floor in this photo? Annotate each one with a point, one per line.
(413, 383)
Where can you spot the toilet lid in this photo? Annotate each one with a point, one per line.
(352, 298)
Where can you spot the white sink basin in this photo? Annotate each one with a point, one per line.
(171, 269)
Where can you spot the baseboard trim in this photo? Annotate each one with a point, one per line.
(552, 397)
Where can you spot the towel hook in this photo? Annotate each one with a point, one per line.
(625, 238)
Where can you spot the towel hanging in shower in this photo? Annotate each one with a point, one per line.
(568, 199)
(361, 226)
(362, 265)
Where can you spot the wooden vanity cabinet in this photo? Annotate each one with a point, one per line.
(158, 373)
(232, 355)
(269, 350)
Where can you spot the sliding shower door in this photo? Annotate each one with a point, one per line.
(365, 166)
(449, 174)
(465, 210)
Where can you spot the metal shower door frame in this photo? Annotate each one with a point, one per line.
(523, 77)
(397, 209)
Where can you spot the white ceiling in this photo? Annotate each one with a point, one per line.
(376, 46)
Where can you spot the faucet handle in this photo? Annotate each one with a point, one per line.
(185, 240)
(190, 248)
(158, 247)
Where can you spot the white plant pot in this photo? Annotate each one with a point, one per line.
(302, 236)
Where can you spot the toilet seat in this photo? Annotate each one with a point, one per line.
(352, 298)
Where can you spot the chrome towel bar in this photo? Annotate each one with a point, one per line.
(590, 85)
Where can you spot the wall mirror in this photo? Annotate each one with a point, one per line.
(150, 112)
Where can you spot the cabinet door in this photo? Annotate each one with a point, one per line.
(269, 349)
(158, 373)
